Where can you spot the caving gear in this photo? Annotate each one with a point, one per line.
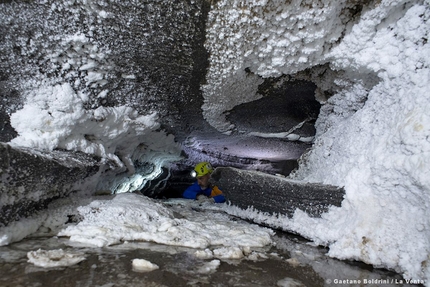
(215, 191)
(202, 169)
(195, 190)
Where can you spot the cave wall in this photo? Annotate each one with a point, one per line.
(146, 55)
(251, 41)
(369, 61)
(118, 80)
(78, 67)
(30, 181)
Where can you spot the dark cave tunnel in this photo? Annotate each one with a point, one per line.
(286, 106)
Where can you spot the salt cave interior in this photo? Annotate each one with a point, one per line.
(122, 96)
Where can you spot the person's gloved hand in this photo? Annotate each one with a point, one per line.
(203, 198)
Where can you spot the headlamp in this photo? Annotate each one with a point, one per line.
(193, 173)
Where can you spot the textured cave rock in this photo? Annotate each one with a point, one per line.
(30, 181)
(152, 59)
(284, 105)
(275, 194)
(151, 56)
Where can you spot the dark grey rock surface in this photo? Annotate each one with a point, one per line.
(150, 53)
(30, 181)
(275, 194)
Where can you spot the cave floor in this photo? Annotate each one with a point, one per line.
(290, 261)
(112, 267)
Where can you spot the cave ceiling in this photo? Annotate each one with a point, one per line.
(151, 56)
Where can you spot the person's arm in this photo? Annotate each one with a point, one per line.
(219, 198)
(192, 191)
